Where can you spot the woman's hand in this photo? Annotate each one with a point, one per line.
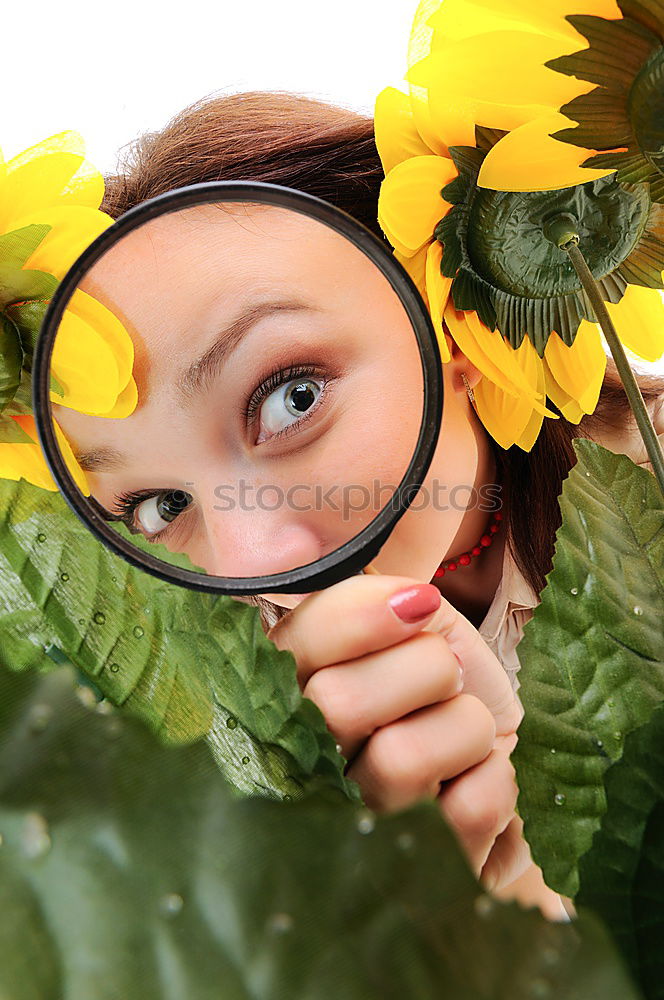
(410, 723)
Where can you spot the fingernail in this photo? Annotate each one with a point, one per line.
(415, 603)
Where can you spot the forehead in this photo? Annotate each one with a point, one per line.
(174, 279)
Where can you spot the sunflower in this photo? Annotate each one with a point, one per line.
(474, 178)
(49, 213)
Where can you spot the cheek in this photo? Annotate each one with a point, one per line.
(429, 526)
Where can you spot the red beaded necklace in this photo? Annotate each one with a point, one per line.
(467, 557)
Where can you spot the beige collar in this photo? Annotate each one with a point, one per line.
(513, 593)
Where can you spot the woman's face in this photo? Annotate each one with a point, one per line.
(280, 396)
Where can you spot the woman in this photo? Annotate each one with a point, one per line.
(410, 724)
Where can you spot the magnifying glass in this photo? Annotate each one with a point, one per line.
(238, 389)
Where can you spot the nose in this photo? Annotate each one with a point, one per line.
(259, 543)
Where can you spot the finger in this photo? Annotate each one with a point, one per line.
(480, 804)
(358, 697)
(509, 857)
(484, 675)
(405, 762)
(353, 618)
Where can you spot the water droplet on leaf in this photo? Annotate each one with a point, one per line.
(231, 722)
(550, 957)
(638, 611)
(138, 631)
(559, 798)
(366, 821)
(553, 750)
(484, 906)
(99, 617)
(113, 728)
(245, 760)
(405, 841)
(41, 537)
(114, 668)
(280, 923)
(35, 838)
(39, 717)
(171, 904)
(86, 696)
(574, 591)
(64, 577)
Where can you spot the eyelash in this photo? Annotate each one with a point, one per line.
(272, 382)
(125, 504)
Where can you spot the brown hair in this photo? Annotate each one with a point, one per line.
(330, 152)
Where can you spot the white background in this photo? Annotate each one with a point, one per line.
(112, 69)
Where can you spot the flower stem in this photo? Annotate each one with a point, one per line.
(630, 384)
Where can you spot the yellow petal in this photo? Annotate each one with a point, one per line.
(569, 407)
(491, 353)
(639, 321)
(531, 431)
(456, 19)
(85, 367)
(71, 462)
(438, 293)
(473, 80)
(529, 159)
(504, 416)
(463, 18)
(52, 173)
(579, 369)
(73, 230)
(85, 187)
(515, 420)
(419, 46)
(397, 138)
(106, 324)
(410, 204)
(26, 461)
(125, 403)
(416, 268)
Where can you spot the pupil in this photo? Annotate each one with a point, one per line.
(302, 396)
(169, 505)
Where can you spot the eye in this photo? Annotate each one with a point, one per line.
(287, 404)
(157, 512)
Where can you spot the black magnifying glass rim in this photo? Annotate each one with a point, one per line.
(352, 556)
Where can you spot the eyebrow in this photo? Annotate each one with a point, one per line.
(104, 458)
(194, 378)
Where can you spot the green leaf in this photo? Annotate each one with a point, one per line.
(622, 876)
(129, 870)
(592, 658)
(188, 663)
(11, 360)
(13, 433)
(19, 285)
(17, 247)
(28, 318)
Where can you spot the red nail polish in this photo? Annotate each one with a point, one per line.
(415, 603)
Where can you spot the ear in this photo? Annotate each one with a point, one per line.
(459, 364)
